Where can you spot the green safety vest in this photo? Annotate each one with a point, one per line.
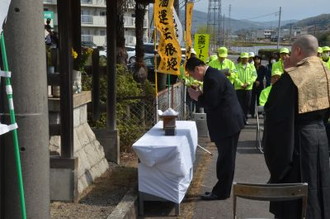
(278, 66)
(226, 64)
(327, 64)
(264, 95)
(246, 74)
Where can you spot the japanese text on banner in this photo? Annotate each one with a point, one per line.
(201, 45)
(189, 11)
(169, 48)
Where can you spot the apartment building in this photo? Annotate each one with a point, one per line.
(93, 21)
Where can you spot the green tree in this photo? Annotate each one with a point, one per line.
(120, 40)
(324, 38)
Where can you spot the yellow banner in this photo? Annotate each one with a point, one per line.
(169, 48)
(201, 46)
(189, 12)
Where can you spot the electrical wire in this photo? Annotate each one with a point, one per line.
(265, 15)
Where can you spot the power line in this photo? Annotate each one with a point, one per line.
(265, 15)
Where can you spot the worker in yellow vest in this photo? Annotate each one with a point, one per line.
(326, 56)
(212, 58)
(222, 63)
(319, 52)
(265, 92)
(246, 76)
(279, 65)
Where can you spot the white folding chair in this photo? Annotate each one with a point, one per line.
(259, 129)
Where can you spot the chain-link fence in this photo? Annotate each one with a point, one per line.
(136, 115)
(173, 98)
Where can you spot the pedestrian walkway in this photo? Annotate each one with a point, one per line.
(250, 167)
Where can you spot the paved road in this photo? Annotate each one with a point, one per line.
(250, 167)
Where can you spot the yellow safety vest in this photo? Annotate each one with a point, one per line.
(226, 64)
(245, 74)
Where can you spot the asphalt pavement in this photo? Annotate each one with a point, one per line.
(250, 167)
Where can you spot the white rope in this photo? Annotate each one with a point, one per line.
(5, 74)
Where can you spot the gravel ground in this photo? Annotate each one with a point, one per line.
(101, 198)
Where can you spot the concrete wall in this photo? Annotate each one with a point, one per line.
(90, 153)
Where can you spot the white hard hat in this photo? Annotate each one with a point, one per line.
(251, 54)
(192, 51)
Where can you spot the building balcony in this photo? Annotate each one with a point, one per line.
(98, 40)
(84, 3)
(131, 5)
(130, 40)
(93, 3)
(129, 22)
(93, 21)
(52, 2)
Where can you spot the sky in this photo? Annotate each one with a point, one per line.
(265, 10)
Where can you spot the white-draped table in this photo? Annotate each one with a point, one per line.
(165, 169)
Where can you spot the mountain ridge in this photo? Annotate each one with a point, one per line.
(200, 19)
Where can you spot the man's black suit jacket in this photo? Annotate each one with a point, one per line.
(223, 111)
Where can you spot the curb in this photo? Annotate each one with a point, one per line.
(127, 207)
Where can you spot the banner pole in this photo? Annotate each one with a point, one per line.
(155, 72)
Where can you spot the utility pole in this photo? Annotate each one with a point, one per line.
(24, 36)
(279, 29)
(214, 23)
(220, 40)
(224, 30)
(229, 27)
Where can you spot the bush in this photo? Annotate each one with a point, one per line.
(129, 119)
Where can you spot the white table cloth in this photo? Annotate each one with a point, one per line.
(166, 162)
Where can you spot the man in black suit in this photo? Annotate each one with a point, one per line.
(225, 119)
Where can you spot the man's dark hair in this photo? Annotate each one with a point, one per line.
(193, 62)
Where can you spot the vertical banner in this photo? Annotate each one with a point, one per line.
(4, 6)
(189, 12)
(178, 27)
(201, 45)
(169, 48)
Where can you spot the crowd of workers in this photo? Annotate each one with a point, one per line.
(252, 80)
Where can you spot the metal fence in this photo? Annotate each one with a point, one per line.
(136, 115)
(173, 98)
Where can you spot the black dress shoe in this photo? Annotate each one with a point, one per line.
(211, 196)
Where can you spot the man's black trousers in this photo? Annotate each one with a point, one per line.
(225, 165)
(244, 99)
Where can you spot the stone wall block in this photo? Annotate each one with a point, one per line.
(54, 144)
(76, 142)
(76, 117)
(83, 114)
(82, 135)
